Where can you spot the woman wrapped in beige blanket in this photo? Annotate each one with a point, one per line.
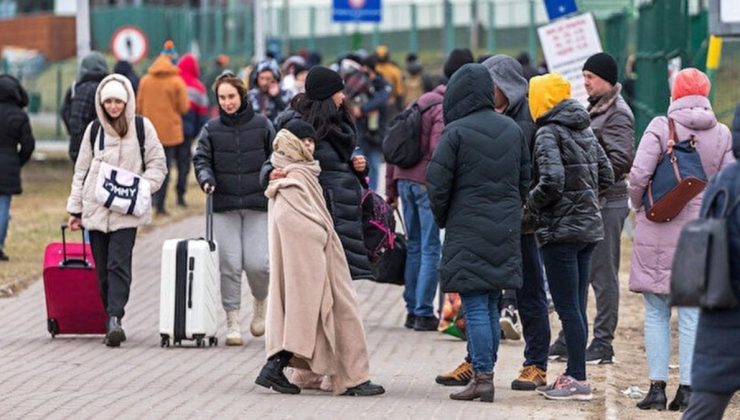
(313, 322)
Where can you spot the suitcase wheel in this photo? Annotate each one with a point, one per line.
(53, 326)
(213, 341)
(200, 343)
(165, 342)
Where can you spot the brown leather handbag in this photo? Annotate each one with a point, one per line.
(678, 178)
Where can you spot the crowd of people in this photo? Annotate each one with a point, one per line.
(531, 188)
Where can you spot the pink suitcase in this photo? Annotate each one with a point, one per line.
(73, 303)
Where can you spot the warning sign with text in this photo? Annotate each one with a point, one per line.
(567, 44)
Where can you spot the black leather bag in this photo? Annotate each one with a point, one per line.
(700, 275)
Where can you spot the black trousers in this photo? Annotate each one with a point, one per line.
(179, 156)
(112, 252)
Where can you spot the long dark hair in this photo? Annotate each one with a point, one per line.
(323, 115)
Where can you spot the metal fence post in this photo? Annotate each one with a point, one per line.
(490, 34)
(248, 39)
(58, 124)
(532, 38)
(312, 28)
(218, 24)
(414, 32)
(449, 27)
(376, 35)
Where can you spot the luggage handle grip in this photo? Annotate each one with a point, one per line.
(73, 262)
(209, 221)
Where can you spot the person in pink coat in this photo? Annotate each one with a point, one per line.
(655, 243)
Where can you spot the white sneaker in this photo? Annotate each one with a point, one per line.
(233, 330)
(509, 322)
(257, 327)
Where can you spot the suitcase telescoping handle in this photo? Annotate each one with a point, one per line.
(209, 219)
(73, 262)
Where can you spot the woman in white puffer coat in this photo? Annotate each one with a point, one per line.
(112, 234)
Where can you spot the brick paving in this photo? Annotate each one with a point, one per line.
(78, 377)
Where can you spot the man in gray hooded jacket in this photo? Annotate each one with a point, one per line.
(78, 109)
(613, 124)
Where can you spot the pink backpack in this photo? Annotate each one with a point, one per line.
(378, 225)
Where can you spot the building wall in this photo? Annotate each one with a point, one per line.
(53, 36)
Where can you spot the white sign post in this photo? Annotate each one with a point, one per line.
(129, 43)
(567, 44)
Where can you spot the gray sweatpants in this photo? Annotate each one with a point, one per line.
(242, 240)
(604, 275)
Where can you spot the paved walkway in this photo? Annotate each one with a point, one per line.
(78, 377)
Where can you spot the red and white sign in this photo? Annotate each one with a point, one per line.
(129, 43)
(567, 44)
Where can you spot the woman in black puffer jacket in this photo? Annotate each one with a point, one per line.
(570, 169)
(227, 162)
(323, 107)
(15, 131)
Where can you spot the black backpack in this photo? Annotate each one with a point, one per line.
(402, 142)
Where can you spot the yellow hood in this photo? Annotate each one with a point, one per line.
(545, 92)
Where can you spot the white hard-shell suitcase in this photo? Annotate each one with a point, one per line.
(189, 288)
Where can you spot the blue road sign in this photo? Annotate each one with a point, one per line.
(559, 8)
(357, 11)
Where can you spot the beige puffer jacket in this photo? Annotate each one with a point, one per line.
(120, 152)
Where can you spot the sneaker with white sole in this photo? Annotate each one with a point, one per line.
(567, 388)
(509, 322)
(233, 329)
(257, 326)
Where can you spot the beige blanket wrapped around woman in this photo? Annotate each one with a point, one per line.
(312, 308)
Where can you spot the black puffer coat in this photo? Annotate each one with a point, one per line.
(15, 130)
(342, 190)
(477, 180)
(229, 155)
(570, 169)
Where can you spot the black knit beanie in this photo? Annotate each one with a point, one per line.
(300, 129)
(457, 58)
(322, 83)
(602, 65)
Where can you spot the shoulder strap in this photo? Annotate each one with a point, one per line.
(141, 135)
(430, 106)
(94, 130)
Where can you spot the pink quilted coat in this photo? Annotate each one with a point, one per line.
(655, 243)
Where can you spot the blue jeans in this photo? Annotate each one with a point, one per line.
(658, 337)
(374, 160)
(532, 305)
(568, 265)
(482, 329)
(423, 250)
(4, 218)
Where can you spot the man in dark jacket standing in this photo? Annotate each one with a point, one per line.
(78, 109)
(369, 107)
(478, 178)
(409, 184)
(510, 99)
(15, 131)
(614, 126)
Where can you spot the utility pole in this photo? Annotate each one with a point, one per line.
(259, 29)
(82, 27)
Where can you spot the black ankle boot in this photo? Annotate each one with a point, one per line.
(681, 402)
(115, 334)
(365, 389)
(655, 398)
(272, 376)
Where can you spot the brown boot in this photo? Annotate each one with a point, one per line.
(481, 386)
